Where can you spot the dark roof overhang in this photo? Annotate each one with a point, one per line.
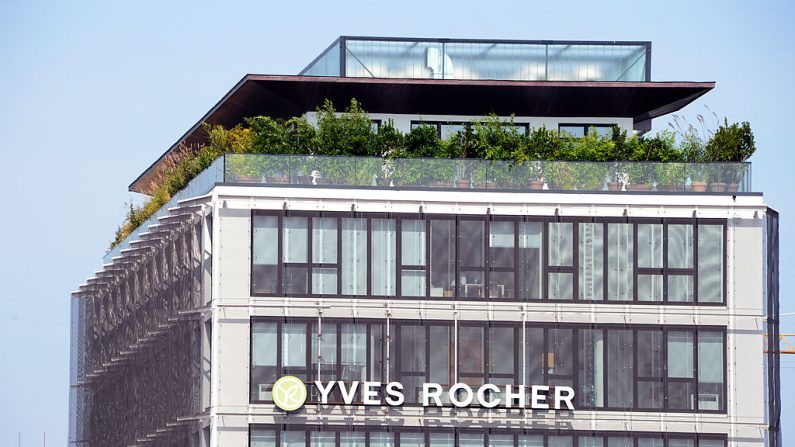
(288, 96)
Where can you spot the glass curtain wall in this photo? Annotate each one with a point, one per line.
(666, 261)
(630, 367)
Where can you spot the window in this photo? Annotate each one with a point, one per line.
(468, 257)
(581, 130)
(710, 263)
(502, 240)
(265, 255)
(530, 260)
(471, 258)
(620, 368)
(620, 262)
(591, 261)
(651, 384)
(442, 258)
(354, 256)
(336, 436)
(412, 252)
(591, 368)
(630, 368)
(384, 257)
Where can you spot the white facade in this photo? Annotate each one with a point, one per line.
(230, 413)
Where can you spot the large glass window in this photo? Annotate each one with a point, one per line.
(336, 436)
(710, 263)
(620, 262)
(620, 368)
(495, 258)
(710, 370)
(502, 240)
(412, 257)
(354, 256)
(591, 261)
(681, 383)
(643, 367)
(530, 260)
(471, 259)
(442, 258)
(384, 257)
(265, 255)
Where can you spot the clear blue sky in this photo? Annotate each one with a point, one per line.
(92, 92)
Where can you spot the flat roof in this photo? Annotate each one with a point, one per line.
(282, 96)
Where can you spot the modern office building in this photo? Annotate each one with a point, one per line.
(437, 313)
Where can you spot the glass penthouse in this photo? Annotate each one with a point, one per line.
(424, 303)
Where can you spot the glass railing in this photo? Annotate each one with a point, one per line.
(481, 59)
(458, 174)
(435, 173)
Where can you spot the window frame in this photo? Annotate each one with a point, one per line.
(457, 432)
(664, 272)
(391, 367)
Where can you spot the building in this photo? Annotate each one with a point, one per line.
(643, 311)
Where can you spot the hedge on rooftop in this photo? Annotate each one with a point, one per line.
(351, 133)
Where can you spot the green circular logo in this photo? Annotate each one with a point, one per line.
(289, 393)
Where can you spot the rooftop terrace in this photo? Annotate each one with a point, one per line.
(461, 175)
(517, 60)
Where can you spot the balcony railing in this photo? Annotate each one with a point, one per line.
(477, 174)
(457, 174)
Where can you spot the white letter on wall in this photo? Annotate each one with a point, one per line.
(394, 394)
(427, 394)
(347, 394)
(564, 394)
(454, 395)
(324, 392)
(538, 400)
(510, 396)
(482, 395)
(370, 393)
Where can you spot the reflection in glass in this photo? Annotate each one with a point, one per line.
(680, 288)
(619, 262)
(710, 263)
(383, 257)
(263, 438)
(591, 260)
(591, 368)
(680, 246)
(561, 243)
(620, 373)
(442, 258)
(354, 256)
(295, 240)
(650, 249)
(530, 268)
(324, 240)
(264, 268)
(710, 370)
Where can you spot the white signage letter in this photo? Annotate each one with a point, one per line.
(324, 392)
(510, 396)
(454, 395)
(394, 394)
(370, 393)
(538, 400)
(427, 394)
(482, 395)
(347, 394)
(564, 394)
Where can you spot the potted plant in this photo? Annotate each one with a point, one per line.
(669, 176)
(639, 175)
(698, 173)
(561, 175)
(731, 143)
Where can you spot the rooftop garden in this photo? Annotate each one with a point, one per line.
(351, 133)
